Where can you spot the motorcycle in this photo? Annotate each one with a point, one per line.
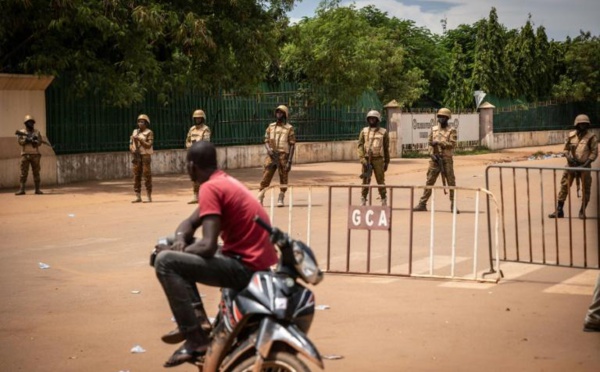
(263, 327)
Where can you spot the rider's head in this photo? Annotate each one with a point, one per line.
(201, 161)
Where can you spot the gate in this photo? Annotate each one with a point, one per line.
(392, 240)
(527, 195)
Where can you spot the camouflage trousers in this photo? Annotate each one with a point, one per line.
(196, 187)
(34, 161)
(142, 165)
(432, 175)
(567, 181)
(269, 171)
(378, 164)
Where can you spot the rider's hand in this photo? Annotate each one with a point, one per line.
(162, 247)
(178, 246)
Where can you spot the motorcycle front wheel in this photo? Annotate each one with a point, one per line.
(280, 361)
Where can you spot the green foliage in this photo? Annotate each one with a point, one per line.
(459, 93)
(489, 59)
(342, 52)
(124, 49)
(581, 79)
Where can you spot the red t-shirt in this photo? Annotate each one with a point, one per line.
(228, 198)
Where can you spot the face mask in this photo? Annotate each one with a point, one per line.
(442, 120)
(582, 128)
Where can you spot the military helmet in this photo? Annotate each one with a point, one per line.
(28, 118)
(581, 119)
(374, 114)
(283, 109)
(144, 117)
(199, 114)
(444, 112)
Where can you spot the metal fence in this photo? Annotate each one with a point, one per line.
(85, 124)
(436, 244)
(527, 195)
(543, 116)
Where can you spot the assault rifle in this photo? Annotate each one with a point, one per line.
(574, 164)
(137, 156)
(368, 169)
(274, 160)
(32, 138)
(436, 157)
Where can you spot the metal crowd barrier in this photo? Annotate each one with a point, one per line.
(419, 244)
(528, 234)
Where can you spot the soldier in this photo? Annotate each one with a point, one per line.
(374, 155)
(30, 140)
(198, 132)
(442, 141)
(280, 142)
(581, 149)
(140, 145)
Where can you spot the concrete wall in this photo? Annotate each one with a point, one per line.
(102, 166)
(498, 141)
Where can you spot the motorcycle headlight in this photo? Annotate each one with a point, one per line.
(306, 263)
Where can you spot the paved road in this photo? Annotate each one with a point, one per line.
(85, 312)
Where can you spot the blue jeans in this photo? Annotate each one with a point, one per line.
(178, 273)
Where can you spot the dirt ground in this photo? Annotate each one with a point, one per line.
(99, 298)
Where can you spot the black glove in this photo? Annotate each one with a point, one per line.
(288, 167)
(385, 166)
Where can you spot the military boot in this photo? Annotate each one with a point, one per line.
(21, 190)
(280, 199)
(452, 208)
(149, 194)
(421, 207)
(582, 211)
(138, 198)
(37, 189)
(194, 200)
(384, 202)
(363, 201)
(558, 213)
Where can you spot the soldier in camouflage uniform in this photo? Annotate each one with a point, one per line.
(581, 149)
(140, 145)
(280, 142)
(374, 151)
(442, 141)
(30, 140)
(198, 132)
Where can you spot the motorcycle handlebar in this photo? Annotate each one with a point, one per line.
(262, 223)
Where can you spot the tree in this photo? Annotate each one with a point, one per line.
(459, 93)
(523, 63)
(489, 71)
(124, 49)
(342, 53)
(581, 78)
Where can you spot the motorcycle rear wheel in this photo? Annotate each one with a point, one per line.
(280, 361)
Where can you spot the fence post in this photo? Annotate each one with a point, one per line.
(486, 125)
(393, 113)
